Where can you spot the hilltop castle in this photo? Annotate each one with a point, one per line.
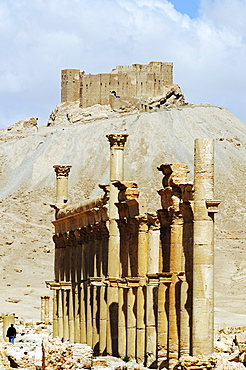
(132, 84)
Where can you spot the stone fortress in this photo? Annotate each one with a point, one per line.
(135, 284)
(123, 86)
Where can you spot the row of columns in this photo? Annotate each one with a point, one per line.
(159, 274)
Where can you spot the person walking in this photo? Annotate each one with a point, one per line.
(11, 333)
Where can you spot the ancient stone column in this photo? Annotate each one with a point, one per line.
(203, 257)
(154, 244)
(184, 318)
(162, 342)
(55, 314)
(174, 182)
(82, 313)
(76, 316)
(62, 173)
(103, 321)
(142, 271)
(89, 316)
(60, 313)
(142, 246)
(95, 319)
(151, 289)
(122, 324)
(46, 310)
(42, 308)
(65, 316)
(117, 142)
(151, 319)
(131, 323)
(140, 343)
(71, 315)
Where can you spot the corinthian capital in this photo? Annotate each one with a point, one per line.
(61, 171)
(117, 140)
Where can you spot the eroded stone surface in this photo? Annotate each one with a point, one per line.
(58, 355)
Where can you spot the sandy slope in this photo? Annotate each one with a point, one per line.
(27, 188)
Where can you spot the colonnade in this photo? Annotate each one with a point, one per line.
(124, 277)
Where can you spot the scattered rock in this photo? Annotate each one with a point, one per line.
(58, 355)
(25, 124)
(12, 300)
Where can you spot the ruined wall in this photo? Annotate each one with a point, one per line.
(70, 85)
(128, 82)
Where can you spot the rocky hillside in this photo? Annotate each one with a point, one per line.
(27, 187)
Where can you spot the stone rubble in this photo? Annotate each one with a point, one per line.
(217, 362)
(113, 363)
(25, 124)
(26, 353)
(58, 355)
(70, 114)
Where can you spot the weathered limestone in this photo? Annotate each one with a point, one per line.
(45, 309)
(203, 259)
(58, 355)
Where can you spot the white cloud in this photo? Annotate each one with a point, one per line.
(41, 37)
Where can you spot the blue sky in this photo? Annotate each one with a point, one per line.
(205, 40)
(189, 7)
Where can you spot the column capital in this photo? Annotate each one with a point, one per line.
(61, 170)
(174, 174)
(117, 140)
(153, 221)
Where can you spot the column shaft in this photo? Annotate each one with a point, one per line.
(42, 308)
(184, 321)
(103, 321)
(89, 317)
(65, 316)
(55, 314)
(82, 314)
(95, 320)
(131, 325)
(46, 310)
(140, 343)
(203, 270)
(151, 335)
(162, 343)
(122, 321)
(60, 314)
(71, 315)
(76, 317)
(62, 173)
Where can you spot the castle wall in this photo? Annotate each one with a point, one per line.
(70, 85)
(129, 82)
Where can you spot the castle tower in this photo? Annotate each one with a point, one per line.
(70, 85)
